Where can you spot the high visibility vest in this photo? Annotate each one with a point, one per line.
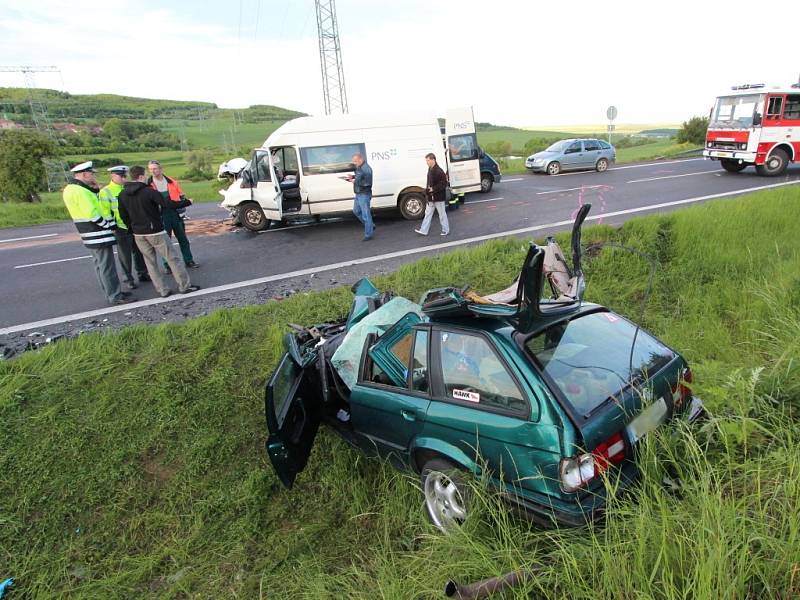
(84, 208)
(109, 203)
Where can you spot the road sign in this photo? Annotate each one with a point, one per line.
(611, 113)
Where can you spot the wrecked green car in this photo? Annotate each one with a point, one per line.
(546, 397)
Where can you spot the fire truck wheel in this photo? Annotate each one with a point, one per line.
(776, 164)
(732, 166)
(554, 168)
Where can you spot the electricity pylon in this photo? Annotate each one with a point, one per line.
(330, 58)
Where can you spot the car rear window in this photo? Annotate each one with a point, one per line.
(589, 357)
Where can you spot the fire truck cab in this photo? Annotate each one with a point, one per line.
(756, 126)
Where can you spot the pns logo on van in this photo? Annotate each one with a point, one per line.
(384, 154)
(462, 125)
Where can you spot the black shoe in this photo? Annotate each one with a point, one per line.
(123, 300)
(125, 294)
(143, 278)
(192, 265)
(190, 289)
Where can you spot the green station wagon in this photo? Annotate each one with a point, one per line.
(545, 396)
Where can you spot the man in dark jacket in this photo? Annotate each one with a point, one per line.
(436, 186)
(140, 207)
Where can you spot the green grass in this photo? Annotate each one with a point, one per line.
(133, 461)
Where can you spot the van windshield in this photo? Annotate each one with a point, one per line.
(589, 358)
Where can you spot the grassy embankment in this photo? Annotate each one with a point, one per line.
(133, 462)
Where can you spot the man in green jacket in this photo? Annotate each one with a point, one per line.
(129, 255)
(96, 231)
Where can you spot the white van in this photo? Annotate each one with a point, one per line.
(300, 170)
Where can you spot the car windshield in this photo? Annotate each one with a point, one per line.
(557, 147)
(589, 357)
(735, 111)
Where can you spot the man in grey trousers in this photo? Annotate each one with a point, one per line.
(140, 208)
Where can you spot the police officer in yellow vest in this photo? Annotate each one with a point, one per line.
(128, 253)
(96, 231)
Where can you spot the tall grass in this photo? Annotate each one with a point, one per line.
(133, 462)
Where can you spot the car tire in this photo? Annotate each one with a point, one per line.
(487, 181)
(445, 492)
(252, 217)
(412, 206)
(732, 166)
(553, 168)
(601, 165)
(776, 164)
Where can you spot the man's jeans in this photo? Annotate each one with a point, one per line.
(363, 213)
(106, 269)
(156, 244)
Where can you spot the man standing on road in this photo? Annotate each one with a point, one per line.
(96, 231)
(127, 252)
(436, 186)
(171, 190)
(362, 188)
(140, 208)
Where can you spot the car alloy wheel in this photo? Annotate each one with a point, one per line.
(602, 165)
(444, 495)
(554, 168)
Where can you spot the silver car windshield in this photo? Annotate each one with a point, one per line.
(557, 147)
(731, 112)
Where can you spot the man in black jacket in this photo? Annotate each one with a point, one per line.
(436, 186)
(140, 208)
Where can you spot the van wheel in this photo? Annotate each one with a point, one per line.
(252, 217)
(412, 206)
(602, 165)
(776, 164)
(445, 494)
(554, 168)
(732, 166)
(487, 181)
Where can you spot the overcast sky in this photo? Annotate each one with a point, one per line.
(522, 63)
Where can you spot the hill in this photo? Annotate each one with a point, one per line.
(134, 464)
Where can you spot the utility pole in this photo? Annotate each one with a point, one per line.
(330, 58)
(56, 168)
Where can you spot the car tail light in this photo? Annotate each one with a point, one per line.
(577, 471)
(681, 391)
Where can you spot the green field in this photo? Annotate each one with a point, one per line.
(134, 466)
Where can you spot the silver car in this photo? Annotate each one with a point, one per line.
(570, 155)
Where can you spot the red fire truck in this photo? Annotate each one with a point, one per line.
(754, 125)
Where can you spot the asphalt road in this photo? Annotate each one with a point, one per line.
(46, 273)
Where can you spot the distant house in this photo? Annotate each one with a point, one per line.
(6, 124)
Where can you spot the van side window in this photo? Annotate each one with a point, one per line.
(463, 147)
(320, 160)
(792, 109)
(774, 107)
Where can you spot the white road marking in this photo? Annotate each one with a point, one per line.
(30, 237)
(585, 187)
(672, 176)
(510, 180)
(479, 201)
(61, 260)
(371, 259)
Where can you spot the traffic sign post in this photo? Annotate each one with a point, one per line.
(611, 113)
